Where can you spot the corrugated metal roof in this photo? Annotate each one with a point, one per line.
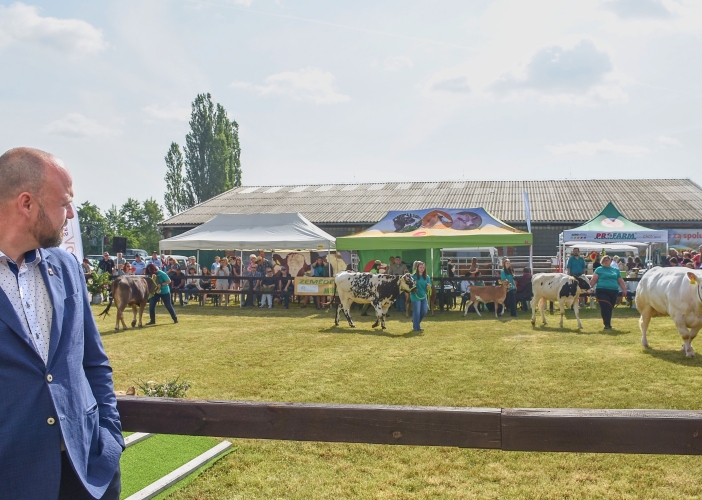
(567, 201)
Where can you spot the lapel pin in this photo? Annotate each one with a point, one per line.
(51, 272)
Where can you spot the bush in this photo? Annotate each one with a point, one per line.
(172, 389)
(98, 283)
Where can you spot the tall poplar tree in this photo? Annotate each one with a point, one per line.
(212, 157)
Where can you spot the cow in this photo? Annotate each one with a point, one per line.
(379, 290)
(130, 291)
(557, 287)
(674, 292)
(485, 294)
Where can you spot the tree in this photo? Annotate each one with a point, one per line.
(212, 159)
(176, 198)
(93, 225)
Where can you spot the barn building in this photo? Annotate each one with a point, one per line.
(342, 209)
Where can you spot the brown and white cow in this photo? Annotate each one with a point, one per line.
(485, 294)
(378, 290)
(130, 291)
(557, 287)
(674, 292)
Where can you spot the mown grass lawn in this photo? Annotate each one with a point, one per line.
(298, 355)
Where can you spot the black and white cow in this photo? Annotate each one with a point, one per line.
(378, 290)
(557, 287)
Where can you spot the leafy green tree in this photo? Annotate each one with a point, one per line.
(211, 160)
(134, 220)
(177, 197)
(93, 225)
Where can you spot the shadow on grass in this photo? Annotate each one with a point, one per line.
(674, 356)
(375, 333)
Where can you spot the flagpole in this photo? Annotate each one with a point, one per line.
(527, 210)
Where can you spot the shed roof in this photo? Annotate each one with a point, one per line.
(569, 201)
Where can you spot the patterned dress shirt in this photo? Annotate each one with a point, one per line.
(24, 286)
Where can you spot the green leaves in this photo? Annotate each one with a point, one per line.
(211, 163)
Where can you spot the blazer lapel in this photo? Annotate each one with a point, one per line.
(51, 272)
(9, 317)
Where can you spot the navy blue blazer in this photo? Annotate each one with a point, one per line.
(70, 398)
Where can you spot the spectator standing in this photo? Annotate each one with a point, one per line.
(172, 266)
(192, 264)
(139, 266)
(236, 272)
(252, 261)
(215, 265)
(522, 285)
(672, 254)
(119, 261)
(420, 306)
(607, 279)
(697, 259)
(473, 265)
(222, 276)
(163, 294)
(106, 265)
(397, 268)
(267, 288)
(248, 284)
(319, 270)
(576, 263)
(87, 269)
(596, 263)
(155, 260)
(450, 269)
(630, 263)
(507, 273)
(285, 286)
(205, 282)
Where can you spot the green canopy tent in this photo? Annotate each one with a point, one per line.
(417, 233)
(610, 226)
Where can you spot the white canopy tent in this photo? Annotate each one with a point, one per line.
(287, 231)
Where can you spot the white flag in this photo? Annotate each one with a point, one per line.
(72, 242)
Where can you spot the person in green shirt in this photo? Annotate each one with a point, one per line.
(418, 295)
(608, 280)
(506, 273)
(163, 293)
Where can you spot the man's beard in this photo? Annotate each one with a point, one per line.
(46, 235)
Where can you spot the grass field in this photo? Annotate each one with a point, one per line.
(298, 355)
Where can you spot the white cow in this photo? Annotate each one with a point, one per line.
(674, 292)
(557, 287)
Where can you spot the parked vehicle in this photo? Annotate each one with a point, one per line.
(132, 253)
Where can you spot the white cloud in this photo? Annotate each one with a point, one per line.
(20, 23)
(669, 141)
(585, 148)
(77, 126)
(169, 112)
(309, 84)
(638, 9)
(579, 75)
(458, 85)
(397, 63)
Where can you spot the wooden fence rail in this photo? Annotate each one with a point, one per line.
(672, 432)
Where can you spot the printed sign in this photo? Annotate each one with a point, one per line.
(305, 285)
(685, 239)
(72, 242)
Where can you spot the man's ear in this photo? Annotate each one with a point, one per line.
(692, 277)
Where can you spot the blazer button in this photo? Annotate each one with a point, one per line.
(50, 421)
(49, 378)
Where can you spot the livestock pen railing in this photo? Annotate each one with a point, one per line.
(670, 432)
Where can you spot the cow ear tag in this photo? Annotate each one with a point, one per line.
(693, 278)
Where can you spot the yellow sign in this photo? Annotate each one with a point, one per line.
(306, 285)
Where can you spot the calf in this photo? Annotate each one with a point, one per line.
(674, 292)
(379, 290)
(130, 291)
(485, 294)
(557, 287)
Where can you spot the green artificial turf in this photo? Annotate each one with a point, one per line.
(298, 355)
(153, 458)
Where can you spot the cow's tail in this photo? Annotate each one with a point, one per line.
(334, 301)
(106, 312)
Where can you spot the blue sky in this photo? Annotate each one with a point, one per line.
(358, 91)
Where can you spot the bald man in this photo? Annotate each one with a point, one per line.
(60, 433)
